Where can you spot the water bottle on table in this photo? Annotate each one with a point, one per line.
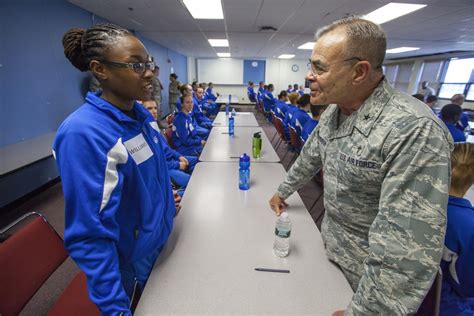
(244, 172)
(281, 246)
(231, 126)
(233, 112)
(256, 145)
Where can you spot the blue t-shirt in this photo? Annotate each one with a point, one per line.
(457, 135)
(457, 296)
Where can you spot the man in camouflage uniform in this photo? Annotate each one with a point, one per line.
(386, 163)
(174, 92)
(156, 94)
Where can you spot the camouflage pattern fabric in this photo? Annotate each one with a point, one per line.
(386, 177)
(174, 94)
(156, 95)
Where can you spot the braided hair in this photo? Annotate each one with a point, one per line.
(81, 45)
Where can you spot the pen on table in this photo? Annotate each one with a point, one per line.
(272, 270)
(225, 133)
(234, 157)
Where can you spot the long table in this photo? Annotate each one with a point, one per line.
(222, 234)
(224, 99)
(240, 119)
(221, 147)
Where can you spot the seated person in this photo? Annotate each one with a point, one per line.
(262, 88)
(201, 119)
(419, 96)
(179, 167)
(450, 114)
(282, 106)
(431, 101)
(300, 116)
(301, 90)
(290, 89)
(251, 93)
(269, 101)
(295, 88)
(463, 122)
(185, 136)
(186, 89)
(292, 107)
(457, 295)
(316, 111)
(210, 94)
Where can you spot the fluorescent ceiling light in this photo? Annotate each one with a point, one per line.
(392, 11)
(308, 45)
(205, 9)
(286, 56)
(223, 54)
(401, 50)
(219, 42)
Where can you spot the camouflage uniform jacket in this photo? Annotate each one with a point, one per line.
(386, 177)
(156, 95)
(174, 93)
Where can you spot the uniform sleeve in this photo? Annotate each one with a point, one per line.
(305, 167)
(181, 131)
(92, 180)
(406, 237)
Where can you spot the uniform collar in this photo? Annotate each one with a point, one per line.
(365, 117)
(459, 201)
(94, 99)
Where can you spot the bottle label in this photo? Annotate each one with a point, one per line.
(282, 233)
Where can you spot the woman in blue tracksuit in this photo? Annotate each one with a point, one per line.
(450, 115)
(119, 205)
(300, 116)
(185, 136)
(251, 93)
(457, 295)
(210, 94)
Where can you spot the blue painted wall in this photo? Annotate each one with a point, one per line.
(39, 88)
(38, 85)
(254, 74)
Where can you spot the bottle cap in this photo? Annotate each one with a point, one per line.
(244, 158)
(257, 135)
(284, 215)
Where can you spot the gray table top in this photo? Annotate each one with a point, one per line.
(240, 119)
(222, 234)
(224, 99)
(221, 147)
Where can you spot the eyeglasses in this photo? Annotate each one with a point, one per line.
(137, 67)
(317, 70)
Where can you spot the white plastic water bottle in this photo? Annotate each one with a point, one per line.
(233, 112)
(281, 246)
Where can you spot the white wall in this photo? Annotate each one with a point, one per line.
(192, 76)
(279, 72)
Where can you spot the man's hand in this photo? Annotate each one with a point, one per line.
(182, 165)
(277, 204)
(203, 142)
(338, 313)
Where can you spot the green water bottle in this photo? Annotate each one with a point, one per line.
(256, 145)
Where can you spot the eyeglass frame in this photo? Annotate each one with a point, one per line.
(315, 72)
(150, 65)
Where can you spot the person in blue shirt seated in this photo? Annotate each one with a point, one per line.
(292, 108)
(282, 105)
(251, 93)
(119, 203)
(457, 295)
(295, 88)
(201, 130)
(180, 167)
(463, 122)
(450, 114)
(301, 116)
(261, 90)
(201, 119)
(290, 89)
(269, 101)
(210, 94)
(301, 90)
(316, 111)
(185, 136)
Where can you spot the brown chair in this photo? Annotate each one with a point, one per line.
(27, 259)
(170, 119)
(169, 136)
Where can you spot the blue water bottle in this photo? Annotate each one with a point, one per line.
(227, 109)
(244, 172)
(231, 126)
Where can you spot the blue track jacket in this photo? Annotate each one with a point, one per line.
(457, 296)
(185, 136)
(118, 200)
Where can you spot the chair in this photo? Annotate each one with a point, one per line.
(295, 142)
(27, 260)
(432, 301)
(170, 119)
(168, 132)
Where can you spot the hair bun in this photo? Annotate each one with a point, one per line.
(72, 40)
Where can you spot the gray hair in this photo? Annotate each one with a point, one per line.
(366, 40)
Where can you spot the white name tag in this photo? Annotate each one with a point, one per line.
(138, 148)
